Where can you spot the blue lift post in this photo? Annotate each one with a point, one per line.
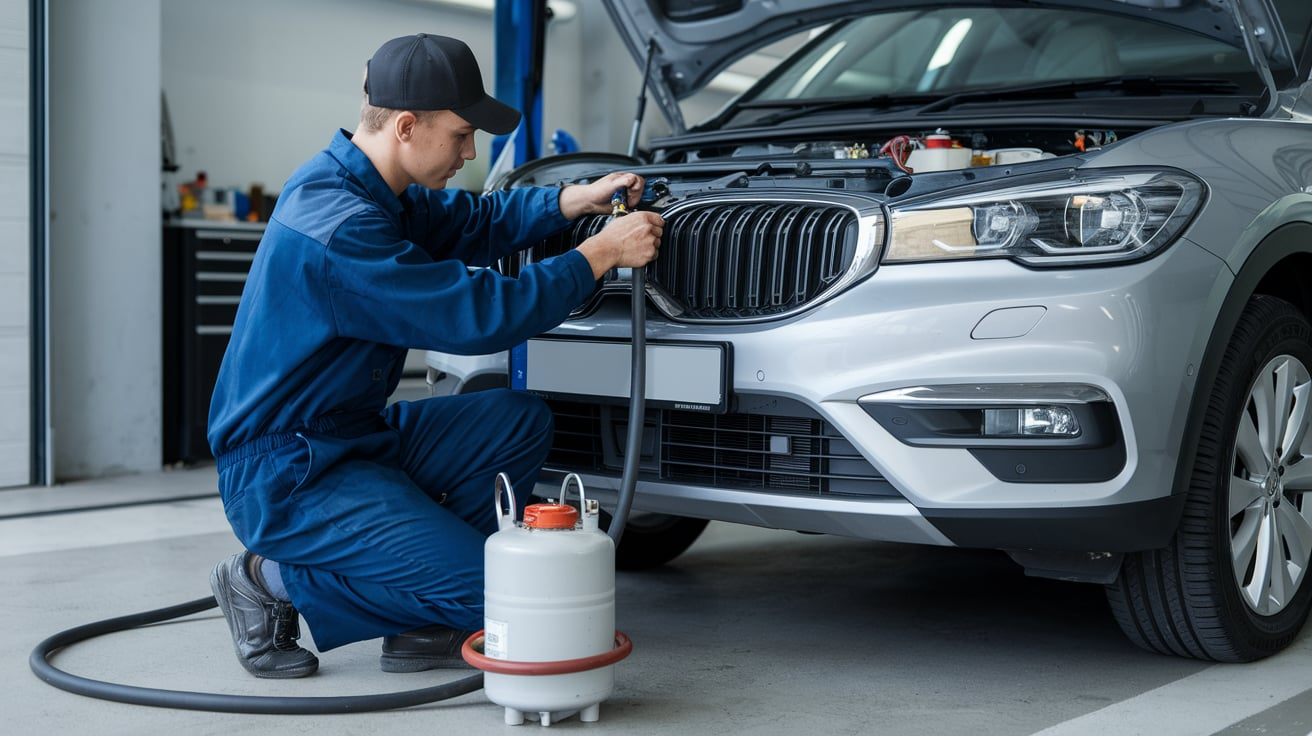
(519, 37)
(518, 41)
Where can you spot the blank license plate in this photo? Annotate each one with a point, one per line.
(690, 376)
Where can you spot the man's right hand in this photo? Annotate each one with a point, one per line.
(630, 241)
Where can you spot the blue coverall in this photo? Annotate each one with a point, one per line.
(377, 514)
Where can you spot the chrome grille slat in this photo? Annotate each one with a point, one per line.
(779, 262)
(700, 251)
(807, 262)
(719, 239)
(833, 249)
(756, 262)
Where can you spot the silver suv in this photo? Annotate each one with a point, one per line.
(1032, 277)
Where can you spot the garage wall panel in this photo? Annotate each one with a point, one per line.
(14, 185)
(12, 425)
(13, 313)
(15, 248)
(13, 99)
(105, 237)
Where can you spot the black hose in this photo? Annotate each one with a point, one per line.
(638, 363)
(216, 702)
(637, 406)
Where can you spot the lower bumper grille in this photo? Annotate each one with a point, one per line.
(796, 454)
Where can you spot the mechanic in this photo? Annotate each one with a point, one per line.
(366, 518)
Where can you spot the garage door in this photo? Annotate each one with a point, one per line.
(15, 248)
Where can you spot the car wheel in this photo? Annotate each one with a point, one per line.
(650, 540)
(1233, 586)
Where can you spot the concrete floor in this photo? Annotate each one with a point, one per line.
(751, 632)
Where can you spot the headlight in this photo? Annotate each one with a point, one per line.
(1110, 216)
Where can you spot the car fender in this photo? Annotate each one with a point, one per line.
(1290, 240)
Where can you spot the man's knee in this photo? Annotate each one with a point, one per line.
(455, 601)
(530, 415)
(461, 612)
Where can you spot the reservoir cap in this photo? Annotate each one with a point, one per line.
(550, 516)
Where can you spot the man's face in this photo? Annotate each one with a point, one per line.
(442, 143)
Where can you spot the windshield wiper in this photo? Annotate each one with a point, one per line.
(1130, 86)
(800, 108)
(1140, 85)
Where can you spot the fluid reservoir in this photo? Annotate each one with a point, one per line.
(938, 153)
(549, 596)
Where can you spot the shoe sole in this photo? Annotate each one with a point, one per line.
(221, 589)
(401, 663)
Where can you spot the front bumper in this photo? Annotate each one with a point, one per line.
(1105, 528)
(1134, 332)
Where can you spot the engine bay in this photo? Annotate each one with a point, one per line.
(938, 149)
(875, 162)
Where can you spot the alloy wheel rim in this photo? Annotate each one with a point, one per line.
(1270, 512)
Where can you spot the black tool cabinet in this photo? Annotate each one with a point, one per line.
(205, 267)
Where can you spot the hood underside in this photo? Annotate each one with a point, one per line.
(685, 43)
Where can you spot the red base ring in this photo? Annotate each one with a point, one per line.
(623, 646)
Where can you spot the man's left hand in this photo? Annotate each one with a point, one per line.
(584, 199)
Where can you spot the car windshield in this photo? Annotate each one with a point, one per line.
(928, 54)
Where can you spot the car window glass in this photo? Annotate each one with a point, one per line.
(953, 49)
(1296, 16)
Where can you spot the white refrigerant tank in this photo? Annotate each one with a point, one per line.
(550, 642)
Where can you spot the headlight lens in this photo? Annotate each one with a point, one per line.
(1107, 217)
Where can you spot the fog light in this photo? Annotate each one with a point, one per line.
(1033, 421)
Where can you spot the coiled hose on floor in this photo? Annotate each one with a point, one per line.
(215, 702)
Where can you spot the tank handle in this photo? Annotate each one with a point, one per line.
(564, 486)
(504, 520)
(589, 511)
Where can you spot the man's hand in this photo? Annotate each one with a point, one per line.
(594, 199)
(630, 241)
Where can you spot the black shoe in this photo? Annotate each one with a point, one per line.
(429, 648)
(264, 629)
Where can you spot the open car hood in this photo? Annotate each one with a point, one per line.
(685, 43)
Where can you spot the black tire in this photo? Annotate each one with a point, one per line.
(651, 540)
(1208, 595)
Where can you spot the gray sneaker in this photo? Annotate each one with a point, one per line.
(264, 629)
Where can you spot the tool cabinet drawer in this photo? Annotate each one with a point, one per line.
(205, 267)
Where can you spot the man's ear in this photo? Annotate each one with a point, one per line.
(404, 125)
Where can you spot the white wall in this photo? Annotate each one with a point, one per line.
(256, 87)
(15, 251)
(251, 101)
(104, 236)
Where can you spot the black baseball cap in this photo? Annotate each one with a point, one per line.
(426, 72)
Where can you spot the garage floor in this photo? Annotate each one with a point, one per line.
(751, 632)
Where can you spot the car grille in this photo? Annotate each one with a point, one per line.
(728, 261)
(768, 453)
